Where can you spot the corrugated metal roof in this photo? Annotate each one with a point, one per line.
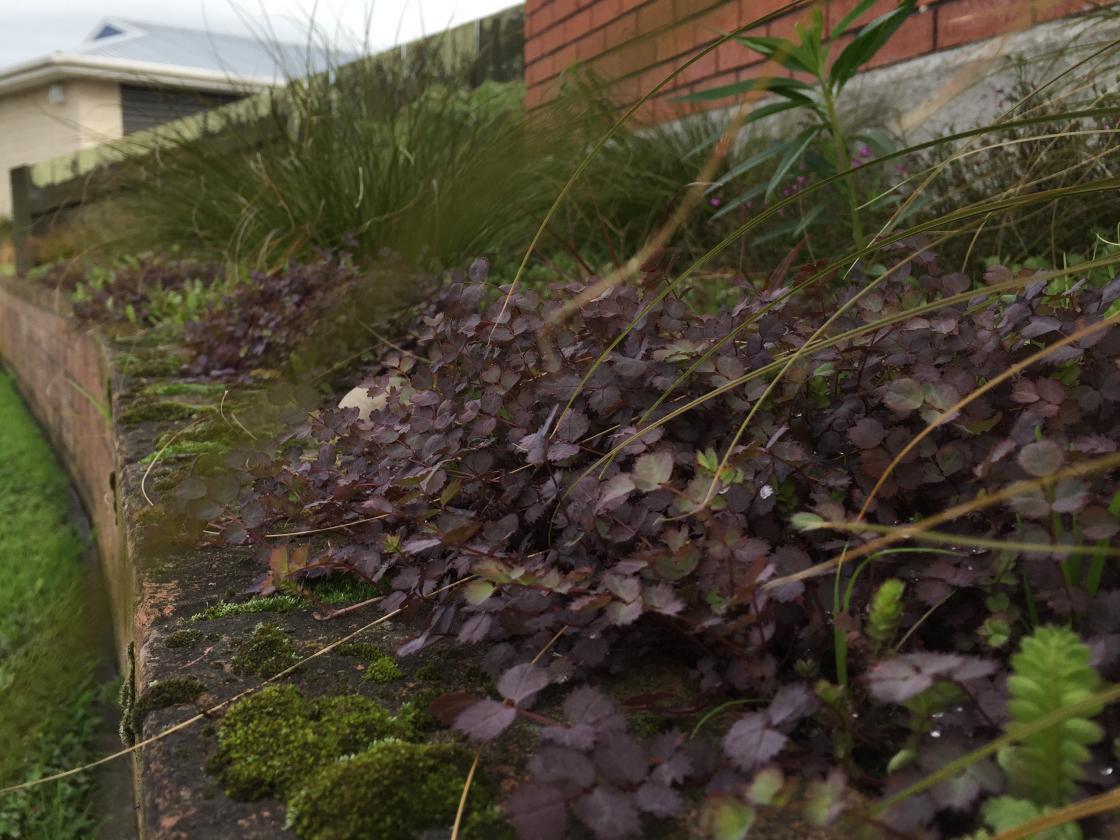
(237, 56)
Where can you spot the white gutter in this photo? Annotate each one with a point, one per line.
(60, 66)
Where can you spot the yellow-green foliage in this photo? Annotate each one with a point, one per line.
(1050, 672)
(886, 612)
(393, 791)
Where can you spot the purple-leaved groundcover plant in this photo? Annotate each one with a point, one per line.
(486, 462)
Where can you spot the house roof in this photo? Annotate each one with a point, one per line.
(126, 50)
(235, 55)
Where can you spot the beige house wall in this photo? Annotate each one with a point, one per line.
(33, 129)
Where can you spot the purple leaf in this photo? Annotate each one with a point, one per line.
(614, 493)
(538, 812)
(1041, 458)
(521, 683)
(752, 742)
(790, 704)
(867, 433)
(899, 678)
(621, 759)
(659, 800)
(485, 720)
(609, 813)
(904, 395)
(555, 764)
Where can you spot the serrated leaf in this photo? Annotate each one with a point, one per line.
(477, 591)
(653, 470)
(753, 741)
(485, 720)
(1041, 458)
(521, 683)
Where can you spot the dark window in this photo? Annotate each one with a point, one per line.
(143, 107)
(107, 31)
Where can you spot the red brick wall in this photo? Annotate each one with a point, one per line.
(634, 44)
(53, 363)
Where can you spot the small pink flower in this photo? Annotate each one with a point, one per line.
(864, 152)
(715, 201)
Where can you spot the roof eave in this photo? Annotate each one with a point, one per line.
(61, 66)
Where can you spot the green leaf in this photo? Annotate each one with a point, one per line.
(795, 151)
(478, 591)
(870, 40)
(807, 521)
(786, 53)
(793, 228)
(751, 162)
(723, 817)
(753, 193)
(789, 88)
(652, 470)
(850, 18)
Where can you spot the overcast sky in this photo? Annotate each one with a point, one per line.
(33, 28)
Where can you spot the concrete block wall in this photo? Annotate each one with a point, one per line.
(634, 44)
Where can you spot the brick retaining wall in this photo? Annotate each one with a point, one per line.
(634, 44)
(63, 375)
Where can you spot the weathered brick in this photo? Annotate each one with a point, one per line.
(913, 38)
(963, 21)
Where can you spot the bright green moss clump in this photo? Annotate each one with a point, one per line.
(380, 667)
(393, 791)
(270, 741)
(266, 653)
(265, 743)
(346, 768)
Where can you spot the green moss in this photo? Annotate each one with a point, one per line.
(160, 410)
(649, 725)
(270, 603)
(331, 591)
(415, 712)
(184, 449)
(393, 791)
(380, 667)
(182, 639)
(152, 364)
(431, 672)
(265, 744)
(349, 723)
(271, 741)
(160, 695)
(383, 670)
(178, 389)
(266, 653)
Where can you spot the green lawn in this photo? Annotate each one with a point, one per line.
(47, 693)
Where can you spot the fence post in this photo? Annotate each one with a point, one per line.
(21, 217)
